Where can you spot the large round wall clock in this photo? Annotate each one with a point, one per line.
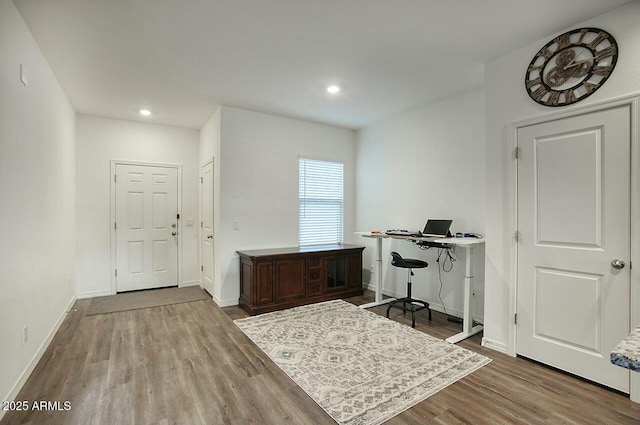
(571, 67)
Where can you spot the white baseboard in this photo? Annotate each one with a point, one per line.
(93, 294)
(495, 345)
(634, 394)
(225, 303)
(369, 286)
(103, 293)
(13, 393)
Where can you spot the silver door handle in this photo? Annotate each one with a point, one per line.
(617, 264)
(173, 233)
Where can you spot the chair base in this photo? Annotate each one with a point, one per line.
(409, 303)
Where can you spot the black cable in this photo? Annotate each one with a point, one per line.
(441, 284)
(446, 269)
(451, 260)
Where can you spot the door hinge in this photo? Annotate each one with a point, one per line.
(201, 268)
(115, 178)
(178, 216)
(516, 153)
(201, 225)
(516, 236)
(115, 226)
(515, 318)
(116, 272)
(201, 180)
(630, 265)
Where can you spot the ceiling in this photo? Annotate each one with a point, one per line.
(182, 58)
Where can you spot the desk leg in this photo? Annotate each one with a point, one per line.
(467, 321)
(378, 299)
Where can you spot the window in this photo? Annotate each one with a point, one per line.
(320, 202)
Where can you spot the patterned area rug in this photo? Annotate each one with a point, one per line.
(145, 299)
(361, 368)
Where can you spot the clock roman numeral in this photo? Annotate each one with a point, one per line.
(546, 53)
(563, 40)
(539, 93)
(583, 32)
(590, 87)
(570, 96)
(606, 52)
(554, 98)
(532, 83)
(603, 70)
(534, 68)
(599, 39)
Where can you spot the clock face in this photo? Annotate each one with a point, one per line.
(571, 67)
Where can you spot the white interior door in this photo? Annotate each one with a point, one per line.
(146, 227)
(206, 235)
(574, 219)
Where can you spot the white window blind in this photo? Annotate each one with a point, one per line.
(320, 202)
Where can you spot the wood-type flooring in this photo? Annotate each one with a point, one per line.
(188, 364)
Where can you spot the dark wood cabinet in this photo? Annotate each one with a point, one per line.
(274, 279)
(264, 281)
(354, 267)
(289, 279)
(336, 269)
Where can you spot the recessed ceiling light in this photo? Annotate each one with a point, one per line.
(145, 112)
(333, 89)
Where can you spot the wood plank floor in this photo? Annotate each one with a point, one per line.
(188, 364)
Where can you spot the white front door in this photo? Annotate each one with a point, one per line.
(146, 227)
(574, 221)
(206, 235)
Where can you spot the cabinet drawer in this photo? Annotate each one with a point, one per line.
(314, 275)
(314, 278)
(314, 263)
(314, 288)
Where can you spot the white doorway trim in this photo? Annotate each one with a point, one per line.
(633, 101)
(112, 217)
(201, 258)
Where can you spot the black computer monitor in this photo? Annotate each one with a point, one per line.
(437, 228)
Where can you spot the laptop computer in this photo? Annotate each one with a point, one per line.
(437, 228)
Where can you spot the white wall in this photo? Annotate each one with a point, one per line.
(508, 102)
(37, 198)
(209, 147)
(100, 140)
(209, 141)
(424, 163)
(259, 184)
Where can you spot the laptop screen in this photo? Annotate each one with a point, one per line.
(437, 227)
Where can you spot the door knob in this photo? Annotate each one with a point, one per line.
(617, 264)
(210, 237)
(173, 233)
(173, 225)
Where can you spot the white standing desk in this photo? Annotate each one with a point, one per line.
(468, 244)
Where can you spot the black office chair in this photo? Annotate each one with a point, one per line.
(409, 303)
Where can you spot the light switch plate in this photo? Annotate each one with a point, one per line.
(23, 75)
